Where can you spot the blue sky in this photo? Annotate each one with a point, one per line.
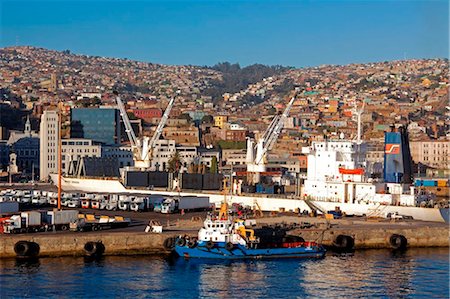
(295, 33)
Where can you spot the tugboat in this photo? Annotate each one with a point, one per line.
(227, 238)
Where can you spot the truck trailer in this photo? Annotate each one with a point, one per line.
(186, 203)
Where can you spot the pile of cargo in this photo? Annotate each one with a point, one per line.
(91, 222)
(10, 200)
(39, 198)
(431, 183)
(114, 202)
(110, 202)
(269, 189)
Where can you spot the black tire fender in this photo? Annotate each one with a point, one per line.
(209, 244)
(192, 243)
(229, 246)
(181, 242)
(26, 249)
(344, 242)
(93, 248)
(169, 243)
(398, 242)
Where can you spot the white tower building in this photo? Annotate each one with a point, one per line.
(48, 134)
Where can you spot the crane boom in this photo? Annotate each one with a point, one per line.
(274, 130)
(162, 123)
(143, 148)
(126, 122)
(269, 129)
(147, 154)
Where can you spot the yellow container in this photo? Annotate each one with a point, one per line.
(442, 183)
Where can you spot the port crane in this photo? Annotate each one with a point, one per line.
(256, 154)
(143, 148)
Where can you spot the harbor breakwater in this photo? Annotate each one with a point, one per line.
(134, 243)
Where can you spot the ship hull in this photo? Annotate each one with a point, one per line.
(241, 252)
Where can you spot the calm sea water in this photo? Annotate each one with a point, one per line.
(419, 273)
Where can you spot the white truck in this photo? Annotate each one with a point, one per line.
(186, 203)
(25, 222)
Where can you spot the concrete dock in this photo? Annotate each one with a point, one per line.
(366, 235)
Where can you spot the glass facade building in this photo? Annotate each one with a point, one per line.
(101, 125)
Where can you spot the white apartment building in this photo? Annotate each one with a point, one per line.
(431, 153)
(48, 146)
(163, 151)
(74, 149)
(188, 155)
(236, 126)
(234, 157)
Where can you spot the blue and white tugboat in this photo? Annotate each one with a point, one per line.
(226, 238)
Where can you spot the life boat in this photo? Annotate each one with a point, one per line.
(359, 171)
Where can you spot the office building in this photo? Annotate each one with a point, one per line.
(98, 124)
(48, 146)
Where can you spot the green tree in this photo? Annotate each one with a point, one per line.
(207, 119)
(214, 165)
(175, 162)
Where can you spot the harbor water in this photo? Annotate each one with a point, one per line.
(416, 273)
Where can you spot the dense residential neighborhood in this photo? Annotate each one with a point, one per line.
(212, 115)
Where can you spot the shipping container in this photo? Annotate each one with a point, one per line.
(212, 181)
(136, 179)
(8, 207)
(193, 202)
(192, 181)
(62, 217)
(429, 183)
(249, 189)
(259, 188)
(158, 179)
(269, 189)
(31, 218)
(442, 183)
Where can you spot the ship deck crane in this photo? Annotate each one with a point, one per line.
(143, 148)
(256, 154)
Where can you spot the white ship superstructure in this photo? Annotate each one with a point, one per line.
(336, 172)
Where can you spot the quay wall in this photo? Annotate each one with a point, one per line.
(72, 244)
(373, 238)
(130, 243)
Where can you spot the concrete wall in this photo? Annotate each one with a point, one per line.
(72, 244)
(379, 237)
(129, 243)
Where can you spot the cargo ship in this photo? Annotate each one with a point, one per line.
(227, 238)
(336, 178)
